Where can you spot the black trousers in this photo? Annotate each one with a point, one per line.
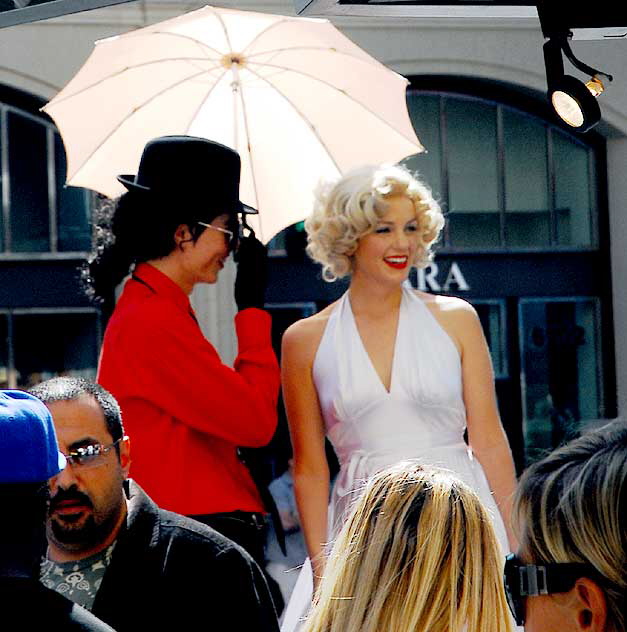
(249, 530)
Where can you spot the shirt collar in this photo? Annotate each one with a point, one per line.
(162, 285)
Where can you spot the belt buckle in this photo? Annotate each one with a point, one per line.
(258, 520)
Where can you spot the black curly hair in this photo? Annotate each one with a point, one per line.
(136, 227)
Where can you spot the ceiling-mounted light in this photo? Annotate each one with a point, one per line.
(575, 102)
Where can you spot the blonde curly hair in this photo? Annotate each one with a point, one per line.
(349, 208)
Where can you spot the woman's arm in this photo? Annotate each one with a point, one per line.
(311, 470)
(486, 435)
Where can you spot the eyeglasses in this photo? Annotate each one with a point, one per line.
(91, 455)
(233, 235)
(531, 580)
(230, 233)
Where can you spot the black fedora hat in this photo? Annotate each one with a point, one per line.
(191, 168)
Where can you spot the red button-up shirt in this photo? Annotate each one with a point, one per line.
(184, 410)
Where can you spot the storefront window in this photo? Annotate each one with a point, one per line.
(28, 178)
(574, 204)
(473, 202)
(561, 375)
(527, 210)
(2, 224)
(40, 214)
(425, 114)
(4, 351)
(492, 316)
(73, 211)
(44, 343)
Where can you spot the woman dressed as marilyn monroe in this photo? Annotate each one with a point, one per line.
(388, 373)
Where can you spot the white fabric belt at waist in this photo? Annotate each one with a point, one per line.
(362, 464)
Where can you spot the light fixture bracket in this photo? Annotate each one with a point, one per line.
(603, 20)
(577, 63)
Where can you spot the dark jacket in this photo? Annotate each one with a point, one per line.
(168, 572)
(26, 604)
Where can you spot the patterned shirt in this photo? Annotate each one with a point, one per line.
(77, 580)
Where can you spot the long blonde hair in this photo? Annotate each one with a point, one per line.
(417, 553)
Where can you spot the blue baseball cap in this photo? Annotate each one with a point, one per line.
(29, 452)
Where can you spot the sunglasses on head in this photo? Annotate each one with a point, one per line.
(531, 580)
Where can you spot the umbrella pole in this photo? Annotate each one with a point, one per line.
(235, 87)
(236, 61)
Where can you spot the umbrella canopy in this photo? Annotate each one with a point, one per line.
(297, 99)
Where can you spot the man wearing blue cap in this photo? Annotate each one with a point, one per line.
(29, 456)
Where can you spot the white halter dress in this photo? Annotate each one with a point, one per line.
(421, 418)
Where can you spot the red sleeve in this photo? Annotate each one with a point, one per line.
(167, 361)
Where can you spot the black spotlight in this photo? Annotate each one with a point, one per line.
(575, 102)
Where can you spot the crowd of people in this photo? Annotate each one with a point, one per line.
(425, 527)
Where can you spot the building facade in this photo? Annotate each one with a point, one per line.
(536, 215)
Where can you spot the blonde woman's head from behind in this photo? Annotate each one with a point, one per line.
(351, 207)
(417, 553)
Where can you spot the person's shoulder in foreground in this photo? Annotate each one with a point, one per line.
(35, 607)
(239, 592)
(176, 571)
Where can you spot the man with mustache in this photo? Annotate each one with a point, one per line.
(29, 456)
(113, 551)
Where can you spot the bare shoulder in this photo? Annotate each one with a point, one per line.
(456, 316)
(303, 336)
(447, 305)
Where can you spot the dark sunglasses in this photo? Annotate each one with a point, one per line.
(91, 455)
(531, 580)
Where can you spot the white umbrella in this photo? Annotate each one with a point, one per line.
(297, 99)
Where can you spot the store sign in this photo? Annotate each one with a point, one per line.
(434, 278)
(22, 11)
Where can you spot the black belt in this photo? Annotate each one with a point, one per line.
(265, 495)
(251, 518)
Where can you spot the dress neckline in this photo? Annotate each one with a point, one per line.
(362, 346)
